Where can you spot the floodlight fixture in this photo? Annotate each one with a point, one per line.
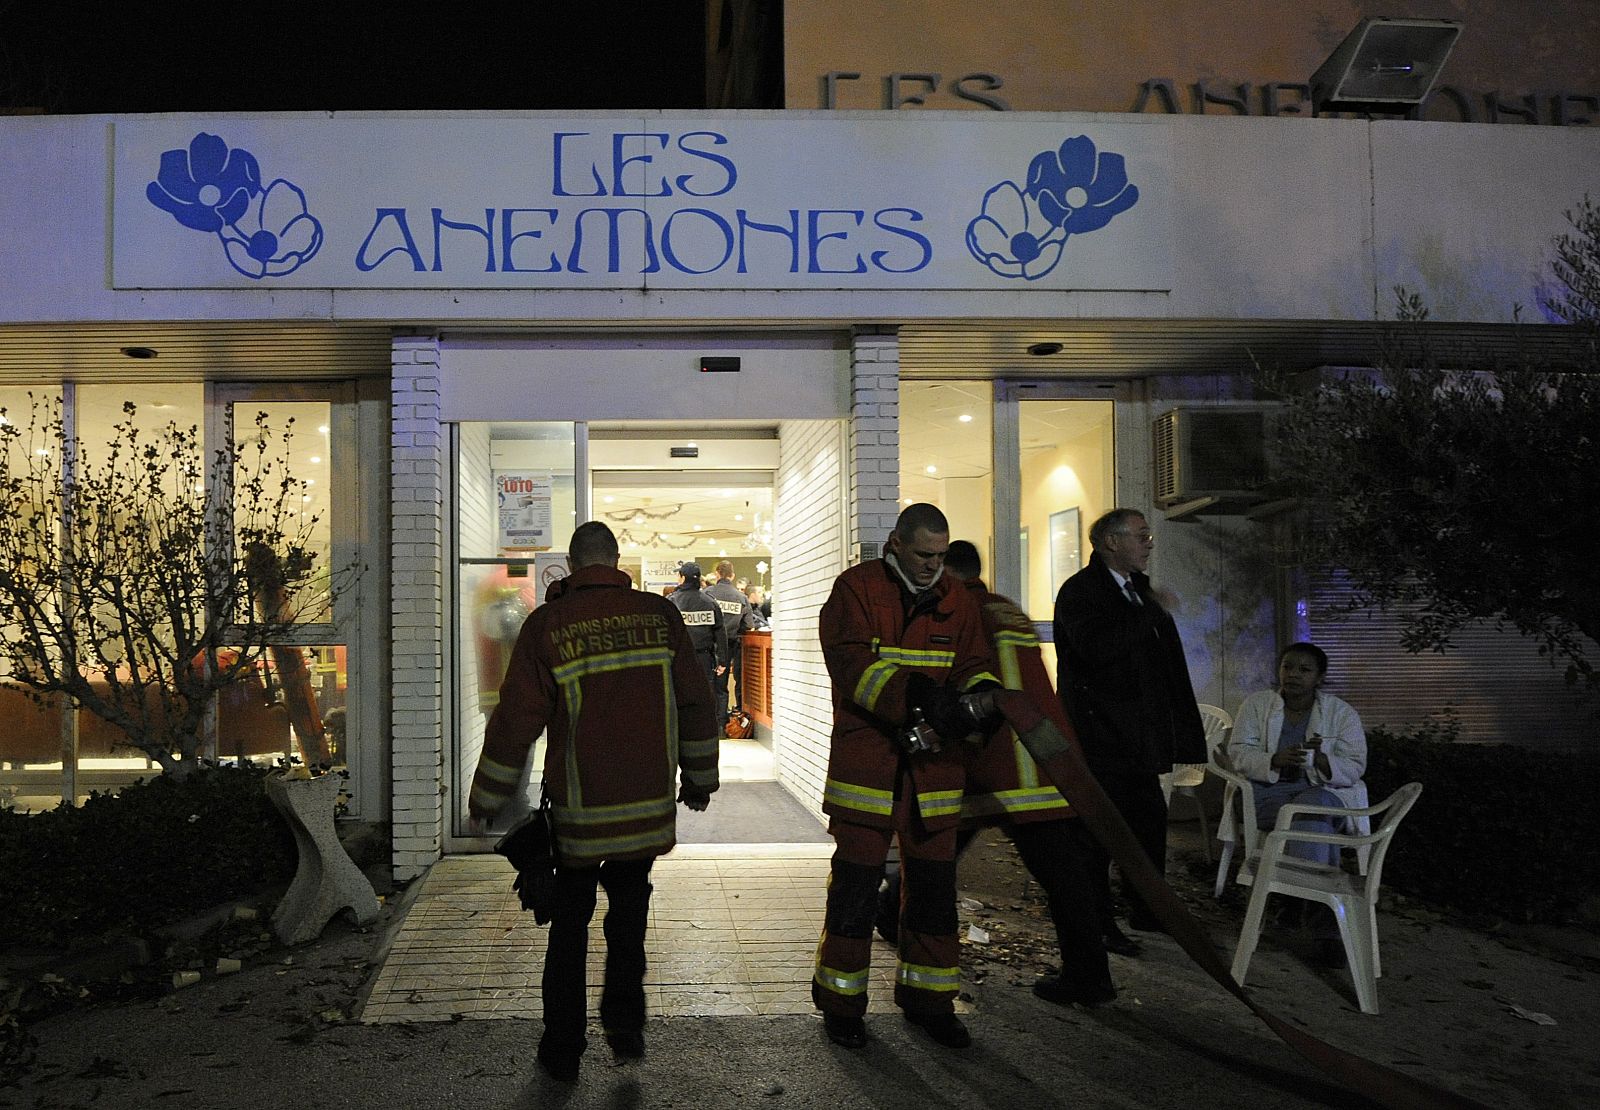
(1384, 65)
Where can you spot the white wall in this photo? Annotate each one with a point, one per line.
(809, 551)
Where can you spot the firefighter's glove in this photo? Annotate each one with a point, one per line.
(940, 706)
(980, 709)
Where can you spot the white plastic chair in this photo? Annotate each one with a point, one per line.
(1185, 778)
(1237, 824)
(1353, 898)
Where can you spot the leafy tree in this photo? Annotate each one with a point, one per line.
(138, 583)
(1459, 493)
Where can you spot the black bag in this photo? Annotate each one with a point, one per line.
(530, 847)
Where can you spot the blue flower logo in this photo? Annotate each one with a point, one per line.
(265, 232)
(1023, 230)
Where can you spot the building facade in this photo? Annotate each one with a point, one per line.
(502, 324)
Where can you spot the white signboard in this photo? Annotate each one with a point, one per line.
(668, 201)
(657, 573)
(523, 497)
(548, 567)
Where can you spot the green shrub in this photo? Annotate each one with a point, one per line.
(1499, 830)
(153, 853)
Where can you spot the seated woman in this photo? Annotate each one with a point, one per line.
(1298, 744)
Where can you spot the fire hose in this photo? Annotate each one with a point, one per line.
(1063, 764)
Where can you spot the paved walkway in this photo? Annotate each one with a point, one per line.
(732, 932)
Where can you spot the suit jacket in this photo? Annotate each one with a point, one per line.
(1122, 676)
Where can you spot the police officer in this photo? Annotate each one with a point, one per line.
(736, 617)
(704, 621)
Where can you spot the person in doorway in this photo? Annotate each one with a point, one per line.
(704, 620)
(611, 672)
(760, 610)
(735, 617)
(912, 678)
(1124, 683)
(1299, 744)
(761, 603)
(1004, 787)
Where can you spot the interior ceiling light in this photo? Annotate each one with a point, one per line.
(139, 352)
(1040, 350)
(965, 418)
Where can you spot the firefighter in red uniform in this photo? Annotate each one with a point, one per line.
(1004, 786)
(904, 647)
(611, 671)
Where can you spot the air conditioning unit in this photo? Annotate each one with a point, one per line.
(1214, 459)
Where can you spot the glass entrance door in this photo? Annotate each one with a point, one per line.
(1055, 452)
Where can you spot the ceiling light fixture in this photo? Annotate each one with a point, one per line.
(1041, 350)
(139, 352)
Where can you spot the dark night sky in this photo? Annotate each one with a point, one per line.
(142, 56)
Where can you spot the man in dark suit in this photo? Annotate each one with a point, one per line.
(1125, 685)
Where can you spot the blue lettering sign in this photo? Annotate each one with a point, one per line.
(508, 238)
(613, 217)
(407, 247)
(912, 216)
(816, 236)
(439, 223)
(791, 233)
(721, 225)
(727, 165)
(557, 188)
(619, 163)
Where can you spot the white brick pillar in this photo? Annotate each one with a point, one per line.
(418, 467)
(874, 438)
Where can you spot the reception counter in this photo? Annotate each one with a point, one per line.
(756, 658)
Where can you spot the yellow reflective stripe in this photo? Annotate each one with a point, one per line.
(580, 849)
(863, 798)
(928, 978)
(1012, 801)
(981, 676)
(490, 800)
(939, 803)
(1006, 645)
(612, 814)
(871, 683)
(918, 657)
(841, 982)
(569, 676)
(698, 749)
(498, 772)
(1027, 769)
(612, 661)
(1016, 638)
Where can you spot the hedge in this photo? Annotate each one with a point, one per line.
(1500, 830)
(153, 853)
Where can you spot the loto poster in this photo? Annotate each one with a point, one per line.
(523, 498)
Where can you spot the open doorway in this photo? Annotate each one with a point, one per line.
(713, 507)
(708, 494)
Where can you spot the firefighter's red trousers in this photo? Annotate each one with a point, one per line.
(927, 973)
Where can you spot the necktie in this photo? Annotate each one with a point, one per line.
(1131, 593)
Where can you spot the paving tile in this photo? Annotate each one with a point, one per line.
(730, 935)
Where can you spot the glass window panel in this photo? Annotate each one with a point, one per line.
(947, 455)
(1065, 483)
(305, 461)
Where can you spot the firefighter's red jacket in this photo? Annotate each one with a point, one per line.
(1003, 781)
(610, 672)
(874, 638)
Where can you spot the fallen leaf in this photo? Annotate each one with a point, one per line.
(1531, 1015)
